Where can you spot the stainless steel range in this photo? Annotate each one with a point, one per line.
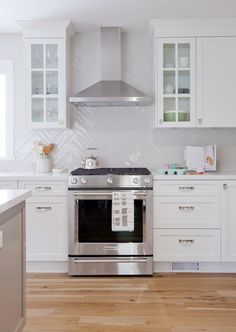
(95, 248)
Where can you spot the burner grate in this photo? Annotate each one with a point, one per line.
(115, 171)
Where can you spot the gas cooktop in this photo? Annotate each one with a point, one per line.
(114, 171)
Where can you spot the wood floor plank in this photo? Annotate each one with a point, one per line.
(164, 303)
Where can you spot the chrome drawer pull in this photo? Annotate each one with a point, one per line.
(43, 188)
(136, 260)
(186, 208)
(188, 188)
(186, 241)
(43, 208)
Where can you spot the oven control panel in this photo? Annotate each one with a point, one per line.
(110, 181)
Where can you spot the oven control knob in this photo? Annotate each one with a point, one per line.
(73, 180)
(146, 180)
(136, 180)
(109, 180)
(84, 180)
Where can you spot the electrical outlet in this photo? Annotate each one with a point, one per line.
(1, 240)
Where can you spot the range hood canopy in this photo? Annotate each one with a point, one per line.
(111, 90)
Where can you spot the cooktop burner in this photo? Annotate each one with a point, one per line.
(115, 171)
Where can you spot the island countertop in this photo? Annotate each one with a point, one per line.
(10, 198)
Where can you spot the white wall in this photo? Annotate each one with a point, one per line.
(124, 136)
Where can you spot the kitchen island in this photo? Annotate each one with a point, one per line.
(12, 259)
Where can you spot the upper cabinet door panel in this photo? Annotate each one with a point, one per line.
(216, 81)
(175, 82)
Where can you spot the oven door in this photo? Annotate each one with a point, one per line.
(90, 225)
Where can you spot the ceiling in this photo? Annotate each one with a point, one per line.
(88, 15)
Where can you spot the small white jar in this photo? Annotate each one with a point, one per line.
(43, 164)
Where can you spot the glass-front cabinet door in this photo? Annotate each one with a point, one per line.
(45, 75)
(176, 82)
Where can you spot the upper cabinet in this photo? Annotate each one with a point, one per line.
(176, 82)
(216, 82)
(195, 73)
(46, 75)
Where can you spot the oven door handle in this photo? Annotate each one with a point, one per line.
(136, 260)
(139, 193)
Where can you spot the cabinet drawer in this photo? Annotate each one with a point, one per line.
(186, 245)
(186, 212)
(8, 184)
(186, 188)
(42, 188)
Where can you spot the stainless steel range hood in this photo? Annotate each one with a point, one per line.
(110, 91)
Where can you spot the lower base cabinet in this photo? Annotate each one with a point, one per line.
(46, 229)
(12, 269)
(228, 229)
(187, 245)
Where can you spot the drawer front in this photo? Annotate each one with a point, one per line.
(186, 188)
(46, 229)
(186, 245)
(42, 188)
(186, 212)
(8, 184)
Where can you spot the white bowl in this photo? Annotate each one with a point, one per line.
(57, 170)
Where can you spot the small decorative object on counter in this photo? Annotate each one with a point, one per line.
(173, 169)
(43, 162)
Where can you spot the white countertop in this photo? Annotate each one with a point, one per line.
(8, 176)
(33, 176)
(206, 176)
(10, 198)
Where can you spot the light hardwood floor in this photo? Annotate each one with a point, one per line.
(164, 303)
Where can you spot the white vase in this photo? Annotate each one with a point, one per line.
(43, 164)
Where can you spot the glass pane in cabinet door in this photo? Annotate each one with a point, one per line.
(51, 82)
(169, 82)
(52, 109)
(169, 55)
(37, 109)
(52, 56)
(36, 82)
(183, 109)
(169, 110)
(183, 81)
(37, 56)
(184, 55)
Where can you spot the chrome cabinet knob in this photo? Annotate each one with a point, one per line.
(109, 180)
(84, 180)
(73, 180)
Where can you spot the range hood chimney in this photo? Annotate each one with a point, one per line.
(110, 91)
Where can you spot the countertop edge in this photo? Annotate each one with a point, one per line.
(11, 197)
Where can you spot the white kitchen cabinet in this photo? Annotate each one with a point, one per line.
(216, 81)
(46, 229)
(46, 221)
(210, 50)
(47, 73)
(187, 221)
(228, 230)
(187, 212)
(179, 245)
(175, 74)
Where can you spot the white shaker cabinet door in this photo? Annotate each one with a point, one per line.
(46, 229)
(228, 232)
(216, 82)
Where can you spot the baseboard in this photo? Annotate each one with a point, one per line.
(46, 267)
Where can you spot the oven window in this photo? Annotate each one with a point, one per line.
(94, 223)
